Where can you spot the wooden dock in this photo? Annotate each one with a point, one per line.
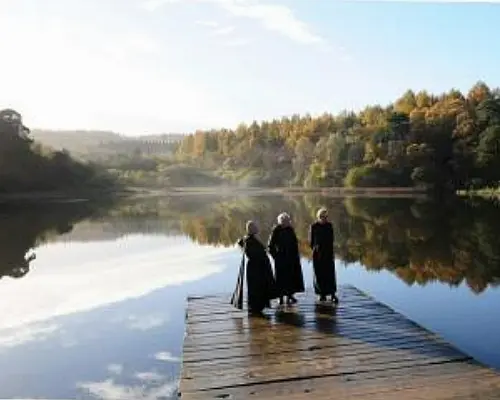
(360, 349)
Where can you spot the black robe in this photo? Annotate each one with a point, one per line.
(321, 238)
(261, 286)
(284, 248)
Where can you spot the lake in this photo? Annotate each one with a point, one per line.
(94, 295)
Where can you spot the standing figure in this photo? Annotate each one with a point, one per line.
(261, 286)
(321, 239)
(284, 248)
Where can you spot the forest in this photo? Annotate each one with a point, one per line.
(445, 142)
(26, 166)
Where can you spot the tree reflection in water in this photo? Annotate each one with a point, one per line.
(419, 241)
(23, 228)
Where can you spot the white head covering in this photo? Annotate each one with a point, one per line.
(321, 211)
(283, 217)
(251, 227)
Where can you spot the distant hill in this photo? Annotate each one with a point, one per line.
(77, 142)
(95, 145)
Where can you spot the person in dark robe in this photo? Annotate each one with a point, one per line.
(261, 286)
(321, 240)
(284, 248)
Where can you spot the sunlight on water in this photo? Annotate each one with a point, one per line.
(100, 312)
(76, 277)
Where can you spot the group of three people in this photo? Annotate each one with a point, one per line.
(283, 246)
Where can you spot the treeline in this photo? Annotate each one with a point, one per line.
(449, 141)
(26, 166)
(158, 173)
(103, 146)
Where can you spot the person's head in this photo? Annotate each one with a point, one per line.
(284, 219)
(322, 215)
(252, 228)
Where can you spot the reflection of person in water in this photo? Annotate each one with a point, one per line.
(261, 286)
(321, 238)
(284, 248)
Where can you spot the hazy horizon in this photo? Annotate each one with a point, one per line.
(147, 67)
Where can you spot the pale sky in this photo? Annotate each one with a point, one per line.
(155, 66)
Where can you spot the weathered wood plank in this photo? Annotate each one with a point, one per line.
(359, 349)
(195, 354)
(360, 384)
(352, 329)
(255, 372)
(463, 385)
(238, 357)
(229, 326)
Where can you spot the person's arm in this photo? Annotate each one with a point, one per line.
(312, 239)
(272, 243)
(296, 240)
(333, 240)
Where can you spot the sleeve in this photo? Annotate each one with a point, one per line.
(311, 237)
(272, 244)
(241, 243)
(296, 242)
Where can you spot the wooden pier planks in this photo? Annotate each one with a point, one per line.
(360, 349)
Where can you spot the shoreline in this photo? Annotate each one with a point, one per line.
(137, 192)
(58, 196)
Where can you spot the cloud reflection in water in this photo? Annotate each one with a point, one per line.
(80, 277)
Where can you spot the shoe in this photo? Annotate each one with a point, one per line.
(322, 298)
(335, 299)
(292, 300)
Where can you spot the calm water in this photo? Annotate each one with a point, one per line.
(99, 312)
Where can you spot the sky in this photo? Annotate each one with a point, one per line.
(157, 66)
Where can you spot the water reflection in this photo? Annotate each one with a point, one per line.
(417, 240)
(106, 292)
(22, 229)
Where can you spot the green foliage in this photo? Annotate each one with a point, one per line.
(25, 166)
(445, 142)
(488, 153)
(158, 172)
(367, 176)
